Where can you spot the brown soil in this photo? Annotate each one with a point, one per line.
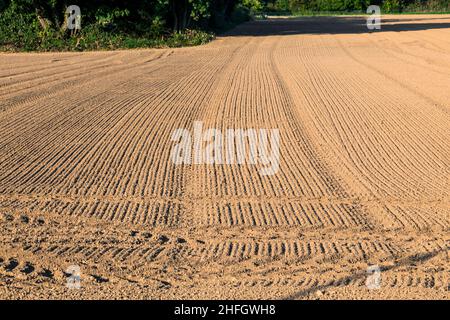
(86, 177)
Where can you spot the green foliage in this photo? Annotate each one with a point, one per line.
(426, 6)
(19, 29)
(391, 6)
(200, 9)
(253, 5)
(282, 5)
(41, 25)
(106, 17)
(157, 27)
(189, 38)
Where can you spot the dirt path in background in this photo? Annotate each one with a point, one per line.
(86, 177)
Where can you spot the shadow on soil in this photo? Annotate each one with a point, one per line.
(408, 261)
(331, 25)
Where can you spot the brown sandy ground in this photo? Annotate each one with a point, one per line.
(85, 175)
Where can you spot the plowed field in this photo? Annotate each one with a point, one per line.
(364, 177)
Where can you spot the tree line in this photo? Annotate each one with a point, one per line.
(109, 24)
(158, 16)
(388, 6)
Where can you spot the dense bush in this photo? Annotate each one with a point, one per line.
(19, 29)
(109, 24)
